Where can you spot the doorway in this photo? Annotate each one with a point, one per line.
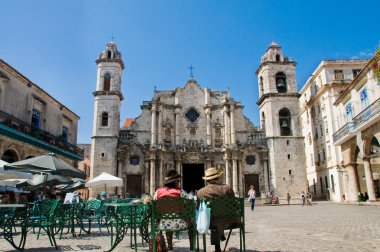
(252, 179)
(192, 177)
(134, 186)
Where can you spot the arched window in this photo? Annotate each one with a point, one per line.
(10, 156)
(278, 58)
(107, 82)
(109, 55)
(285, 122)
(105, 119)
(281, 82)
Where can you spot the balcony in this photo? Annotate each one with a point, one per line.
(366, 118)
(35, 136)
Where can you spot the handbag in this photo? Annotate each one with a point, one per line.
(160, 243)
(203, 218)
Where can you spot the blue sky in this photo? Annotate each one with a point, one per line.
(55, 44)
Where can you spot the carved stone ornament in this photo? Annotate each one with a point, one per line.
(192, 158)
(250, 159)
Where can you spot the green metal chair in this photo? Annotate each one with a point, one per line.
(227, 212)
(93, 211)
(170, 208)
(43, 218)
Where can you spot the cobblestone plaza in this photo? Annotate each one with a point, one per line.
(321, 227)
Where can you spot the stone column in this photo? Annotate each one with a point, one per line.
(153, 126)
(353, 183)
(232, 116)
(208, 127)
(369, 179)
(152, 176)
(177, 136)
(227, 167)
(235, 185)
(160, 133)
(241, 175)
(160, 172)
(146, 176)
(266, 175)
(226, 142)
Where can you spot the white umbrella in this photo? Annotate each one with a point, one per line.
(11, 174)
(105, 179)
(11, 182)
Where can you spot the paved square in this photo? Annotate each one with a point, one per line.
(321, 227)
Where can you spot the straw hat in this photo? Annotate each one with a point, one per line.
(212, 173)
(171, 176)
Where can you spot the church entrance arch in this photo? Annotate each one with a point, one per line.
(252, 179)
(192, 177)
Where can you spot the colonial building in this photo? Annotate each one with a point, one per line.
(358, 133)
(279, 115)
(319, 118)
(32, 122)
(188, 128)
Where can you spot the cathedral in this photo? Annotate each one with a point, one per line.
(191, 128)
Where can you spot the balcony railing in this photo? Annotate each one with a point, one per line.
(368, 113)
(27, 129)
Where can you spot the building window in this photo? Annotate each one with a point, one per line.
(319, 157)
(332, 184)
(287, 142)
(321, 181)
(314, 187)
(290, 172)
(107, 82)
(192, 115)
(338, 74)
(355, 72)
(281, 82)
(65, 133)
(105, 119)
(364, 98)
(288, 156)
(36, 116)
(251, 159)
(261, 84)
(324, 154)
(285, 122)
(109, 55)
(134, 160)
(349, 112)
(316, 133)
(278, 57)
(326, 182)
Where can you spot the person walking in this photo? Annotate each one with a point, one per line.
(212, 189)
(288, 197)
(252, 197)
(303, 198)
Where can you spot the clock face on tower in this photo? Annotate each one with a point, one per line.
(192, 115)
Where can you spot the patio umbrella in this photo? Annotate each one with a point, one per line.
(46, 164)
(11, 182)
(12, 174)
(105, 179)
(44, 180)
(77, 183)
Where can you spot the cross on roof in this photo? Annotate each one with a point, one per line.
(191, 70)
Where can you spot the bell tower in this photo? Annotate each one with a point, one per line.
(279, 118)
(106, 124)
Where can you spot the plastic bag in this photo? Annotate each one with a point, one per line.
(203, 218)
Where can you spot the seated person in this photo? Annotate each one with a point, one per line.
(171, 188)
(212, 189)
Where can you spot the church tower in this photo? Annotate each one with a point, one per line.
(279, 116)
(106, 123)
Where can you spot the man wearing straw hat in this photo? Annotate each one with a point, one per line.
(215, 188)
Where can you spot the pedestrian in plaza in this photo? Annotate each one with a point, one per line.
(365, 198)
(103, 196)
(308, 199)
(360, 198)
(288, 197)
(252, 196)
(212, 189)
(302, 198)
(171, 188)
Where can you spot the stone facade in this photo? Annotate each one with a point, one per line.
(189, 128)
(32, 122)
(279, 115)
(319, 118)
